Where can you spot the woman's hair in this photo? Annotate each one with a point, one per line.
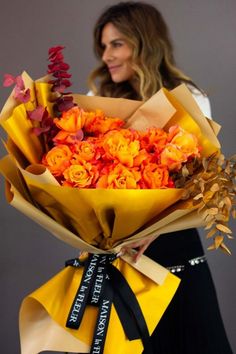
(145, 30)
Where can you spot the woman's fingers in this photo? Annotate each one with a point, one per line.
(140, 247)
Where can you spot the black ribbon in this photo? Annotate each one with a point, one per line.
(101, 285)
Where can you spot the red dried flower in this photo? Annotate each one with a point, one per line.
(8, 80)
(20, 93)
(37, 114)
(22, 96)
(54, 50)
(58, 69)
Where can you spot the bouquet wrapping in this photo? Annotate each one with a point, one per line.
(98, 221)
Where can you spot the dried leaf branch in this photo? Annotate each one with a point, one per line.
(214, 191)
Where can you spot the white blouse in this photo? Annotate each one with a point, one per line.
(202, 101)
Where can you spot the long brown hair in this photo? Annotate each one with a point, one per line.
(145, 30)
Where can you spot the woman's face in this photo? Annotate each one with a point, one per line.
(117, 54)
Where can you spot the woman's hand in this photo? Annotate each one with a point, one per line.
(140, 247)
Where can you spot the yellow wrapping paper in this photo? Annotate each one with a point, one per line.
(98, 221)
(181, 216)
(100, 217)
(45, 308)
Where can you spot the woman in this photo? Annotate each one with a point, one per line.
(132, 42)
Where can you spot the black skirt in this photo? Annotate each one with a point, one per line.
(192, 323)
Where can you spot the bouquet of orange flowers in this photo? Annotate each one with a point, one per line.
(99, 174)
(95, 151)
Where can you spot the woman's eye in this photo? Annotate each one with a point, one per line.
(117, 44)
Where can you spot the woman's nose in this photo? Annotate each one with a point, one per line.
(107, 55)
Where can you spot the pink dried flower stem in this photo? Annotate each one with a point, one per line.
(59, 70)
(21, 94)
(42, 121)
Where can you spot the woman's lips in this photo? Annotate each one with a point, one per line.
(113, 68)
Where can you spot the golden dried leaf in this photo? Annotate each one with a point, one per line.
(228, 202)
(225, 249)
(185, 171)
(212, 165)
(211, 233)
(186, 194)
(221, 160)
(227, 169)
(197, 202)
(202, 186)
(233, 158)
(212, 211)
(205, 213)
(208, 196)
(223, 179)
(218, 240)
(205, 163)
(211, 247)
(221, 204)
(209, 225)
(209, 218)
(202, 207)
(206, 176)
(230, 237)
(234, 213)
(221, 217)
(223, 228)
(215, 187)
(198, 196)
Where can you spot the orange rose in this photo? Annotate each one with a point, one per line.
(63, 137)
(154, 140)
(81, 176)
(97, 123)
(67, 184)
(57, 159)
(86, 151)
(185, 141)
(154, 176)
(119, 148)
(71, 120)
(120, 177)
(130, 134)
(172, 157)
(142, 156)
(173, 130)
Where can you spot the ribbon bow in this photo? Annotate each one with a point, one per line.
(101, 285)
